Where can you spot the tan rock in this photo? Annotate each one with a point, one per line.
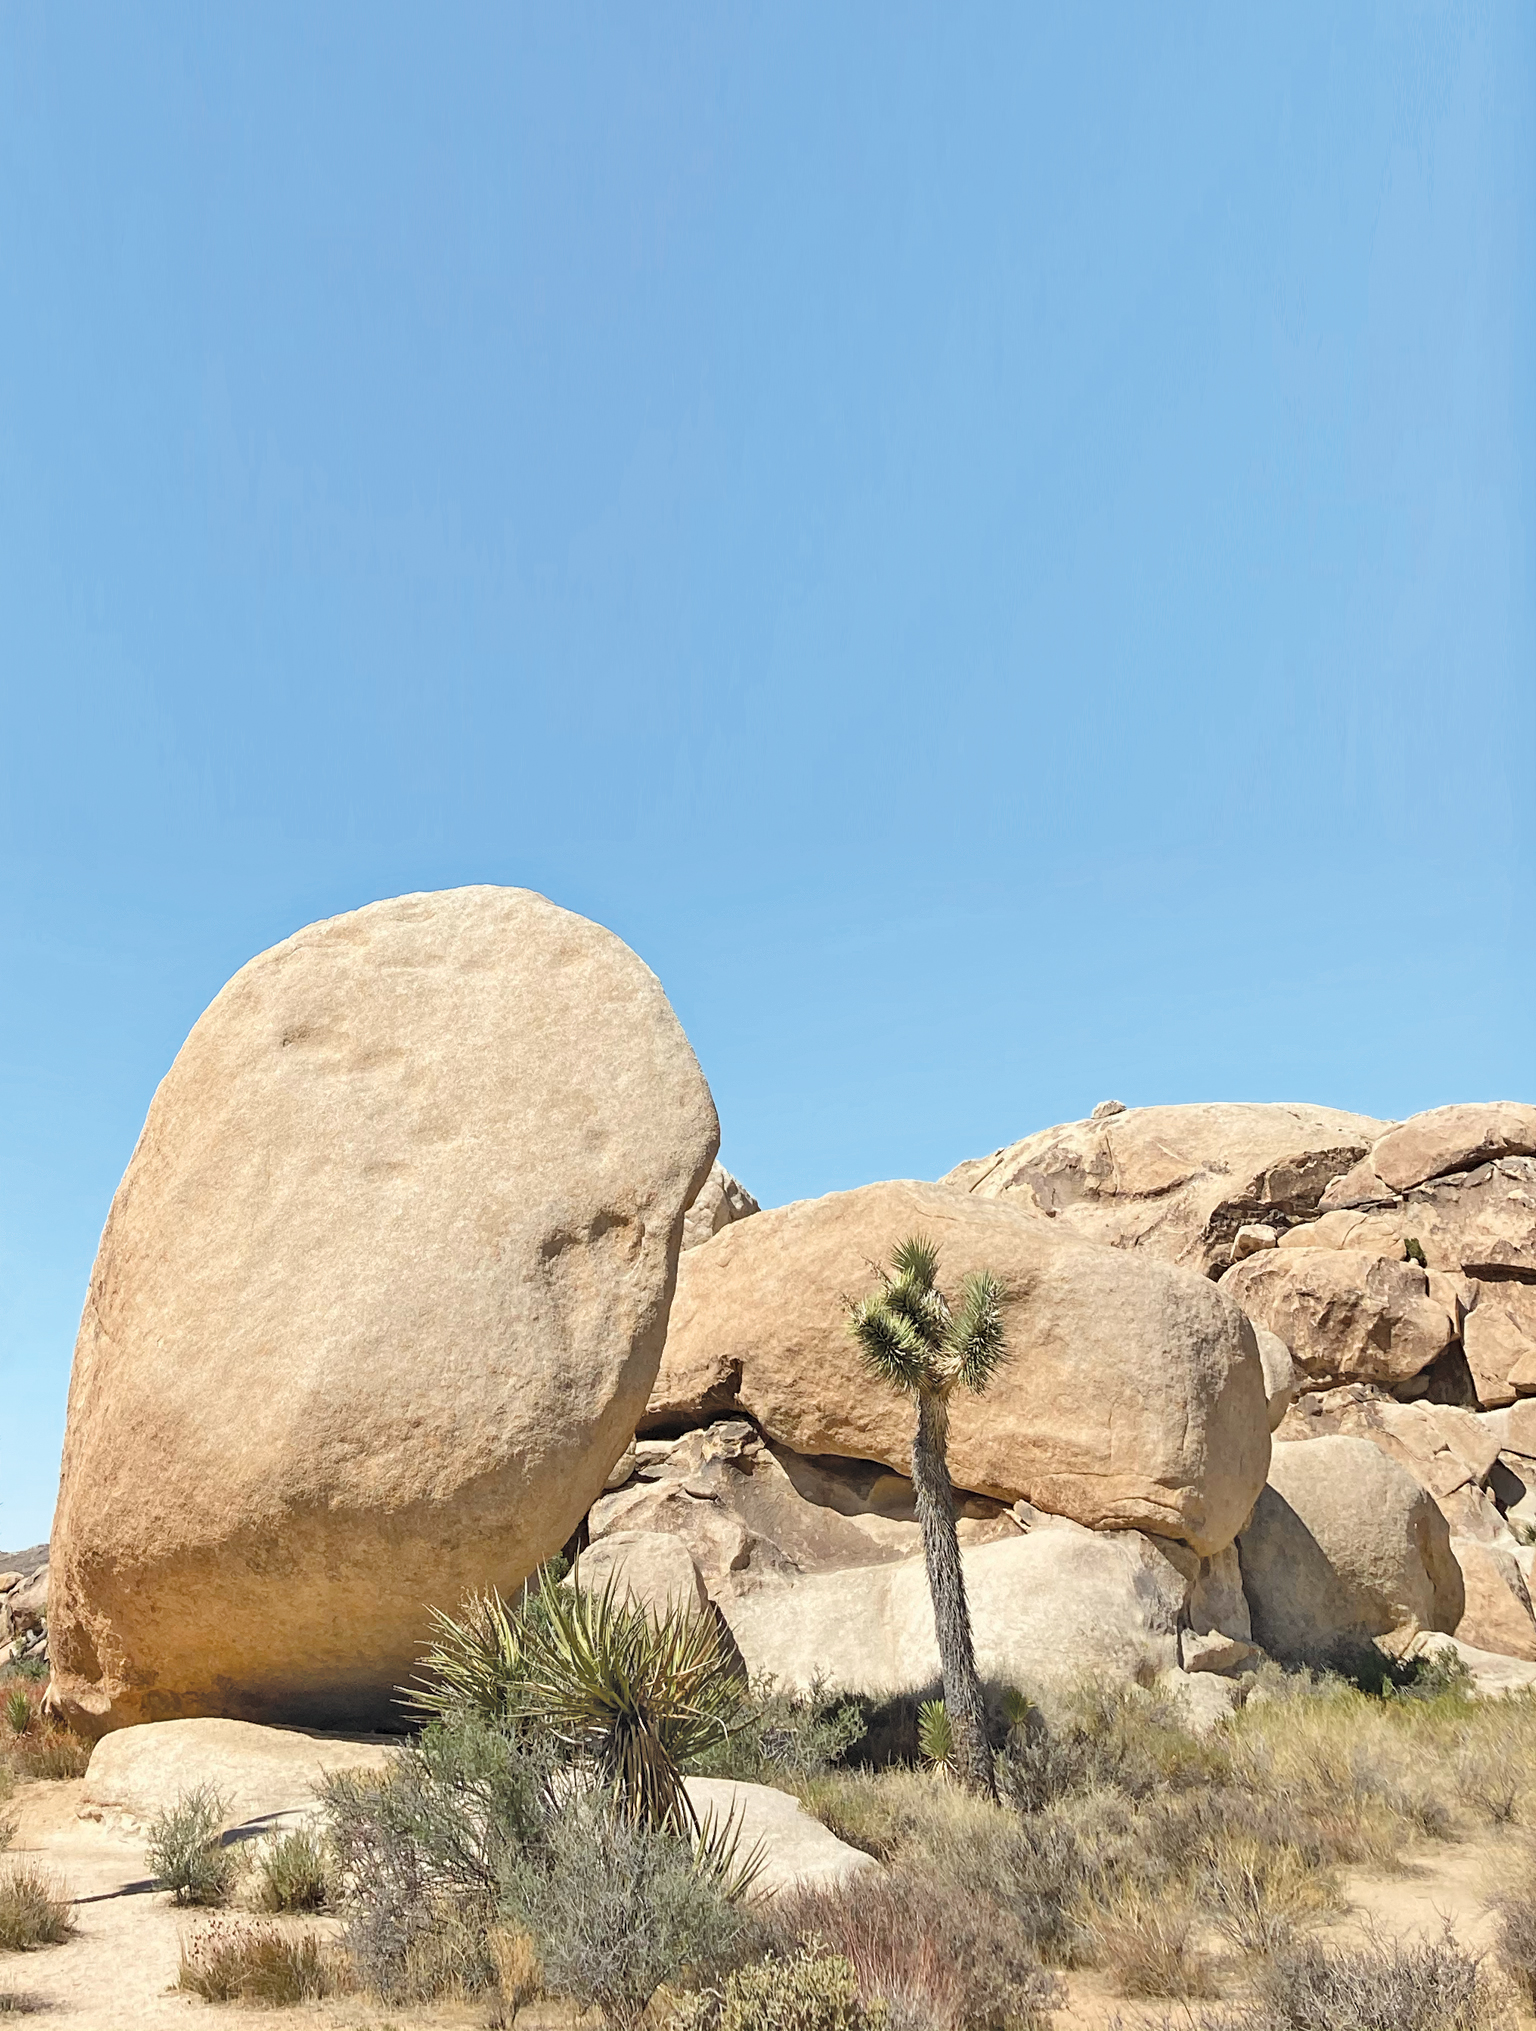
(643, 1566)
(1476, 1222)
(259, 1774)
(1176, 1182)
(1134, 1399)
(721, 1200)
(1500, 1339)
(1282, 1380)
(798, 1852)
(1344, 1314)
(1498, 1614)
(1359, 1186)
(382, 1293)
(1344, 1545)
(1252, 1239)
(1453, 1139)
(9, 1580)
(1048, 1609)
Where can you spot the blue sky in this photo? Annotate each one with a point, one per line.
(994, 545)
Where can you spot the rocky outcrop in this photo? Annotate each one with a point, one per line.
(1135, 1397)
(1344, 1545)
(1348, 1316)
(1048, 1608)
(261, 1775)
(1450, 1139)
(1176, 1182)
(379, 1301)
(1478, 1223)
(721, 1200)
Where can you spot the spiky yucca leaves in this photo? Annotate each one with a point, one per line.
(636, 1694)
(913, 1338)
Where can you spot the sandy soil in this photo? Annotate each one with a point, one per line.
(118, 1971)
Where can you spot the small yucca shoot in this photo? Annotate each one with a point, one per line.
(935, 1737)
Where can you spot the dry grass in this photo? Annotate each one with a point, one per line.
(34, 1745)
(291, 1873)
(34, 1909)
(238, 1962)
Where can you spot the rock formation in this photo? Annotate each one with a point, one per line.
(379, 1301)
(1135, 1398)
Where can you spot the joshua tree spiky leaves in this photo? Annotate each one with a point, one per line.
(913, 1338)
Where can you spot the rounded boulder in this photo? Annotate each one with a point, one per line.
(379, 1300)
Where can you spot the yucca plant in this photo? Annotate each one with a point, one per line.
(935, 1736)
(638, 1695)
(912, 1337)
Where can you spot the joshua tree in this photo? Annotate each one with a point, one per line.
(912, 1337)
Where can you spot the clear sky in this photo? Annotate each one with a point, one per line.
(993, 544)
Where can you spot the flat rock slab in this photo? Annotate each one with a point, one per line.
(799, 1853)
(259, 1773)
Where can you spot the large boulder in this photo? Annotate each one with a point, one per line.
(1431, 1145)
(1344, 1544)
(1497, 1616)
(1047, 1609)
(1134, 1398)
(1348, 1316)
(1499, 1336)
(379, 1300)
(1176, 1182)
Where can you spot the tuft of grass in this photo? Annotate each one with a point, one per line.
(32, 1743)
(185, 1852)
(234, 1962)
(292, 1874)
(34, 1909)
(18, 1710)
(519, 1972)
(1149, 1949)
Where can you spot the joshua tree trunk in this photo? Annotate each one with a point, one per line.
(946, 1582)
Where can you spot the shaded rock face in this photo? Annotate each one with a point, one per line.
(1176, 1182)
(1134, 1399)
(379, 1300)
(741, 1505)
(1344, 1545)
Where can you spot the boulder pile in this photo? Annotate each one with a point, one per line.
(424, 1268)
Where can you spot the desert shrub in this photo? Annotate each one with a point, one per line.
(34, 1909)
(18, 1710)
(185, 1851)
(1260, 1894)
(1149, 1949)
(226, 1962)
(939, 1957)
(519, 1973)
(1416, 1986)
(32, 1743)
(614, 1908)
(291, 1874)
(785, 1734)
(1515, 1941)
(808, 1989)
(422, 1850)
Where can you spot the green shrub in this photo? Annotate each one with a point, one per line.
(254, 1963)
(807, 1990)
(34, 1909)
(615, 1909)
(185, 1852)
(291, 1874)
(18, 1710)
(785, 1734)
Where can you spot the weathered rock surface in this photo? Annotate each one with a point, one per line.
(1481, 1223)
(1282, 1379)
(1499, 1335)
(1177, 1182)
(379, 1301)
(721, 1200)
(1458, 1138)
(1047, 1608)
(1134, 1399)
(1344, 1545)
(259, 1773)
(1497, 1616)
(1345, 1315)
(649, 1568)
(798, 1852)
